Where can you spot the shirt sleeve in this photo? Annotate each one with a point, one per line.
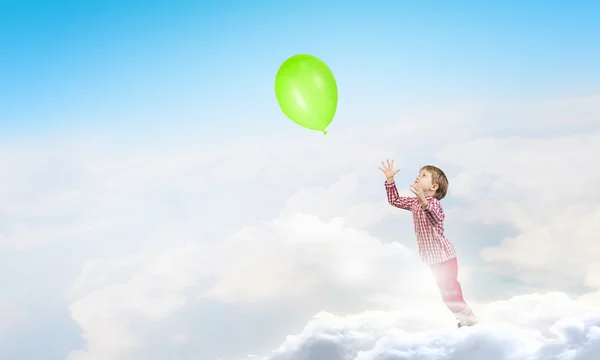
(434, 211)
(395, 199)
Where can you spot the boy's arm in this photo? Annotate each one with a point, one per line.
(395, 199)
(434, 211)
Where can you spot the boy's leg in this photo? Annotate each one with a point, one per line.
(446, 276)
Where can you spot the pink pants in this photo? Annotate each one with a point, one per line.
(446, 275)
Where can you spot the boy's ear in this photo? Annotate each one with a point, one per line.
(434, 187)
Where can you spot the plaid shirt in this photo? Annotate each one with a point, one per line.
(429, 225)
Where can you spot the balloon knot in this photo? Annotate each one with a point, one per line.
(324, 132)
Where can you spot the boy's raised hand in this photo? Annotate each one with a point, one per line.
(418, 191)
(389, 170)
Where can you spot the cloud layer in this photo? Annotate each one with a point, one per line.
(223, 249)
(533, 327)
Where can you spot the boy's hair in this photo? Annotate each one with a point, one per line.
(438, 177)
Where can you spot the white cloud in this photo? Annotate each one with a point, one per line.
(512, 329)
(190, 232)
(110, 294)
(296, 258)
(301, 255)
(348, 198)
(544, 190)
(11, 314)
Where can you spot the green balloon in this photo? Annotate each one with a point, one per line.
(307, 92)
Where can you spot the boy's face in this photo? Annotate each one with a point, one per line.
(425, 180)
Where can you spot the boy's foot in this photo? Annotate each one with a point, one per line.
(471, 320)
(467, 323)
(467, 318)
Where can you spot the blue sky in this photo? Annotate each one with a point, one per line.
(210, 65)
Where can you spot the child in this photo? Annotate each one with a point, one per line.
(428, 219)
